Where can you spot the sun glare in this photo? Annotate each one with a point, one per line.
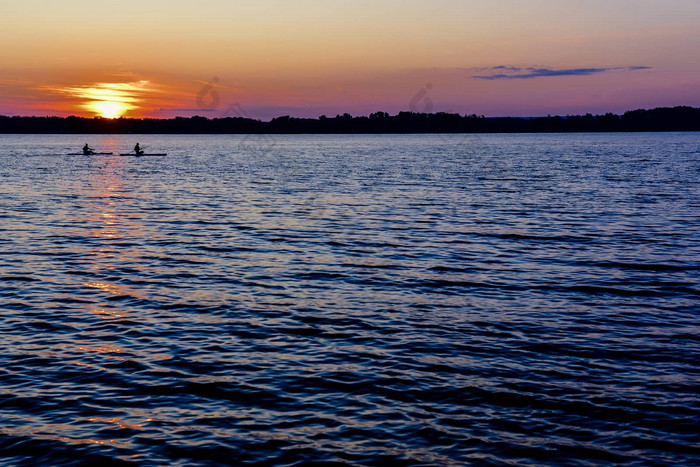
(110, 100)
(107, 109)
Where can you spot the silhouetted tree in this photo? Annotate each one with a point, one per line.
(659, 119)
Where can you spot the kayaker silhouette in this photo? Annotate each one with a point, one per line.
(137, 149)
(87, 149)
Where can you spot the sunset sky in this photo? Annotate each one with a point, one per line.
(266, 58)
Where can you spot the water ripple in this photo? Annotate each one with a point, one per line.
(351, 300)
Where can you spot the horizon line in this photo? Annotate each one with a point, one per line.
(339, 115)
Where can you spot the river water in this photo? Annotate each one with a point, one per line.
(351, 299)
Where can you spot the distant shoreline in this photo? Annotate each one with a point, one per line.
(653, 120)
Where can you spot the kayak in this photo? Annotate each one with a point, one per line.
(144, 154)
(90, 154)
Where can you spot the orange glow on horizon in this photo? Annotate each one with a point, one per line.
(157, 59)
(107, 100)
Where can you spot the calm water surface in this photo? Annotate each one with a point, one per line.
(363, 300)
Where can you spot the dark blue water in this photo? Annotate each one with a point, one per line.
(362, 300)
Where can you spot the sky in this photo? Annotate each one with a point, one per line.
(306, 58)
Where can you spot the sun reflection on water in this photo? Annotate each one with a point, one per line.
(114, 442)
(107, 287)
(107, 223)
(118, 422)
(107, 314)
(104, 349)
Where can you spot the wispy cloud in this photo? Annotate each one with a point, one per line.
(126, 93)
(108, 99)
(505, 72)
(187, 109)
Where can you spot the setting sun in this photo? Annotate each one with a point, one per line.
(107, 109)
(107, 100)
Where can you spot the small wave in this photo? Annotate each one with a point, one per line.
(221, 249)
(647, 266)
(17, 279)
(625, 292)
(412, 313)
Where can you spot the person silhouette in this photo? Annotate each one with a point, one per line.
(88, 150)
(137, 149)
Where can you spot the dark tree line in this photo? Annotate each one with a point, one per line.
(660, 119)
